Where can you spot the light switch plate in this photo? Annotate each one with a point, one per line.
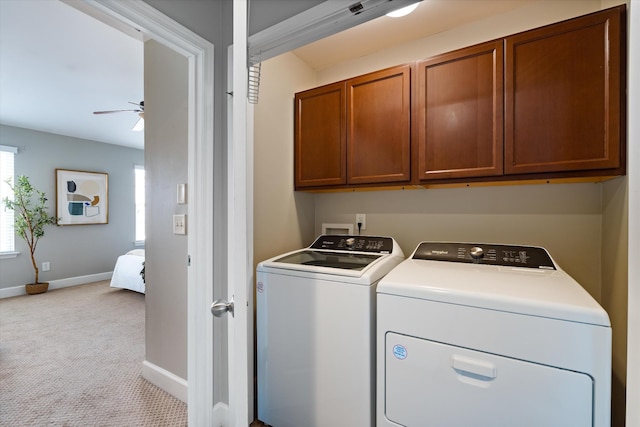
(181, 194)
(180, 224)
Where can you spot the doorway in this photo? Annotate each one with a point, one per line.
(204, 219)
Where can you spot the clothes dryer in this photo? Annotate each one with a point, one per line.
(489, 335)
(315, 323)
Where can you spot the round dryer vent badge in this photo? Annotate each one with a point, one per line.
(400, 352)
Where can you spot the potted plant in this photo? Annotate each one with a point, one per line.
(31, 217)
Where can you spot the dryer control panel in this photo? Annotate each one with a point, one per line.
(481, 253)
(380, 245)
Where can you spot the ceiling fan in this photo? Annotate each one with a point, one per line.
(140, 110)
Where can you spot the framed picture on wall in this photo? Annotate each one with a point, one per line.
(82, 197)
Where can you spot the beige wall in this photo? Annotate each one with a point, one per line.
(530, 16)
(283, 219)
(633, 196)
(615, 254)
(566, 219)
(166, 94)
(582, 225)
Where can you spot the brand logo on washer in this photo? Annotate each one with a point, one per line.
(439, 252)
(400, 352)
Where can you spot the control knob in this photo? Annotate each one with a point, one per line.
(476, 252)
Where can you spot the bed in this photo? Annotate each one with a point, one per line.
(126, 273)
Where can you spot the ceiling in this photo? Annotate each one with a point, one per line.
(430, 17)
(59, 65)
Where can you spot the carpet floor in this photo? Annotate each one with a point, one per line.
(73, 357)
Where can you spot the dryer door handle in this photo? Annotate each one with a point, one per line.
(477, 368)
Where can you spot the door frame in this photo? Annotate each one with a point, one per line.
(205, 217)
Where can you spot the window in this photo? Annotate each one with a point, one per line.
(139, 203)
(7, 233)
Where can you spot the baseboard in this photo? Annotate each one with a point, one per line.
(171, 383)
(15, 291)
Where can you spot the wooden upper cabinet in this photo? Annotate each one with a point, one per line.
(379, 127)
(545, 103)
(563, 96)
(320, 136)
(460, 110)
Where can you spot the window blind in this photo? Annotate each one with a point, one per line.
(7, 234)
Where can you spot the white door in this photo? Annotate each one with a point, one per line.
(237, 307)
(240, 227)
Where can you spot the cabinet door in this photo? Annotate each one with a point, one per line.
(460, 105)
(379, 127)
(563, 96)
(320, 136)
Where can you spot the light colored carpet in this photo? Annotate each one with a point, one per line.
(73, 357)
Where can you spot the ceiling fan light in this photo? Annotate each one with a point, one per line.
(139, 126)
(404, 11)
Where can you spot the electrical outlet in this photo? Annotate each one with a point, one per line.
(46, 266)
(180, 224)
(361, 219)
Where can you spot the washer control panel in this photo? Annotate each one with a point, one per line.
(380, 245)
(504, 255)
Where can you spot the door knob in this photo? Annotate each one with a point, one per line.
(221, 306)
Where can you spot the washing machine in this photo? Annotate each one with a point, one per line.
(489, 335)
(315, 327)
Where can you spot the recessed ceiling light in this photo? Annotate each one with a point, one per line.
(402, 11)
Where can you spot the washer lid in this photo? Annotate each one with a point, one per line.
(328, 259)
(362, 259)
(529, 291)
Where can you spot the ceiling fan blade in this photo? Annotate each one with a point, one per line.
(116, 111)
(139, 104)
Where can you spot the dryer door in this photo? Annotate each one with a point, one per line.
(430, 383)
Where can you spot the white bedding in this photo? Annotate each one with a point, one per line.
(126, 273)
